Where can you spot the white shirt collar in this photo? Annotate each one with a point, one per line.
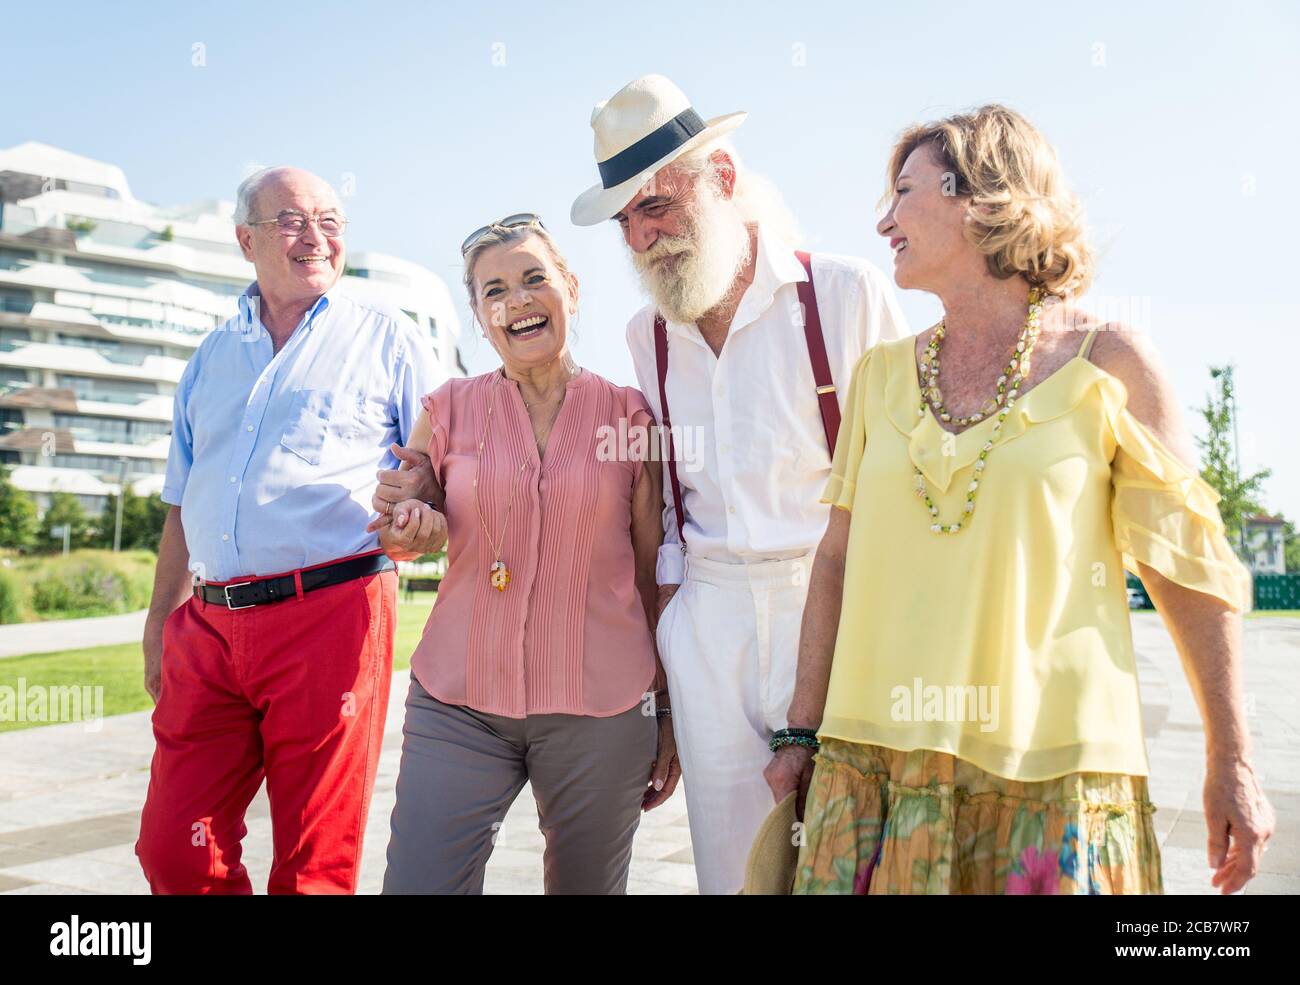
(774, 267)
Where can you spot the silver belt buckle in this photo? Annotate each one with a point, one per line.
(225, 590)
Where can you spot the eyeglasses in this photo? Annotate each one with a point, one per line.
(509, 222)
(293, 223)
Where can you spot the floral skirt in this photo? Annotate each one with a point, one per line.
(883, 821)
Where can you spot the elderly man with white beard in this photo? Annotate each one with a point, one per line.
(742, 346)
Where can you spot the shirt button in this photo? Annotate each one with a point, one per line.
(232, 478)
(721, 389)
(724, 448)
(731, 509)
(225, 536)
(249, 428)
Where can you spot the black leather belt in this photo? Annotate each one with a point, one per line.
(246, 594)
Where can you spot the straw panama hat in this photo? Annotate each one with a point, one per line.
(641, 128)
(772, 858)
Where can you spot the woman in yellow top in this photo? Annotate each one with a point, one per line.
(966, 661)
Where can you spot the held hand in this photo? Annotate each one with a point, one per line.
(791, 769)
(395, 485)
(1240, 821)
(411, 530)
(665, 771)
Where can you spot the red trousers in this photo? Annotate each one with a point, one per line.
(294, 692)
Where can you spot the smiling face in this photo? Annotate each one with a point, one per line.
(523, 301)
(688, 239)
(293, 269)
(925, 224)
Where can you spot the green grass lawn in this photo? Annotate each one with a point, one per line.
(120, 669)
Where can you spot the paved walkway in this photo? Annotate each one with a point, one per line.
(20, 639)
(70, 800)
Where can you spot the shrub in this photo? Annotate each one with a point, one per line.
(87, 588)
(11, 594)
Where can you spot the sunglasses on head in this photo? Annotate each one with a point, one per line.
(509, 222)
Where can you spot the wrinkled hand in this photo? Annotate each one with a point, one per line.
(791, 769)
(665, 595)
(1240, 821)
(153, 653)
(417, 482)
(411, 530)
(665, 771)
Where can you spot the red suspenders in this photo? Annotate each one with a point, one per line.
(812, 330)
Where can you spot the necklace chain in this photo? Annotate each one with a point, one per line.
(499, 573)
(1008, 390)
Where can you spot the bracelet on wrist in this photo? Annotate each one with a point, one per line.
(805, 737)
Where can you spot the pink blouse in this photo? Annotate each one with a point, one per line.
(569, 634)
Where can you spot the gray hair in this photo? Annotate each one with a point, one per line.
(499, 235)
(754, 195)
(250, 186)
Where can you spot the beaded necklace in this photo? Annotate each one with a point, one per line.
(1008, 389)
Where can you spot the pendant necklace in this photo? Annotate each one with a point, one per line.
(499, 572)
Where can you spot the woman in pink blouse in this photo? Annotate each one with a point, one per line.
(538, 661)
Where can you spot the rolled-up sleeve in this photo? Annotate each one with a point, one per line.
(180, 456)
(417, 374)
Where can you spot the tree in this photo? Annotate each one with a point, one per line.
(18, 523)
(65, 508)
(1219, 462)
(142, 521)
(1292, 549)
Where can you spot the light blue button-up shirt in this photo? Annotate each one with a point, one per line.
(273, 454)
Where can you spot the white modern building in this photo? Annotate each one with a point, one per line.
(104, 298)
(1265, 538)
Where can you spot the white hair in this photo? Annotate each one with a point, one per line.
(755, 196)
(250, 186)
(247, 191)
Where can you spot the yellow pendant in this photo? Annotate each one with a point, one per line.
(499, 575)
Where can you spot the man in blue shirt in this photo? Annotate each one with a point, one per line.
(268, 646)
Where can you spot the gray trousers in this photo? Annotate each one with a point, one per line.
(462, 769)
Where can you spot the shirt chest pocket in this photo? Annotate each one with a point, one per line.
(307, 423)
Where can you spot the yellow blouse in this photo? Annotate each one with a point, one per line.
(1008, 644)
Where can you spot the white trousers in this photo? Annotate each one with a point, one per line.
(729, 640)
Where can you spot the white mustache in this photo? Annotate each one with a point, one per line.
(714, 248)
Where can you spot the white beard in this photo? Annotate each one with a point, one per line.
(707, 259)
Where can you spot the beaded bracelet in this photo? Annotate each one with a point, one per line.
(805, 737)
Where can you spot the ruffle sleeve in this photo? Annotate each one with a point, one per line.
(639, 422)
(1167, 517)
(851, 440)
(438, 406)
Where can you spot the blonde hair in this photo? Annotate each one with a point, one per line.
(498, 235)
(1022, 215)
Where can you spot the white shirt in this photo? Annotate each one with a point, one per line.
(747, 428)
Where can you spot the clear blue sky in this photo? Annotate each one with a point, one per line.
(1176, 124)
